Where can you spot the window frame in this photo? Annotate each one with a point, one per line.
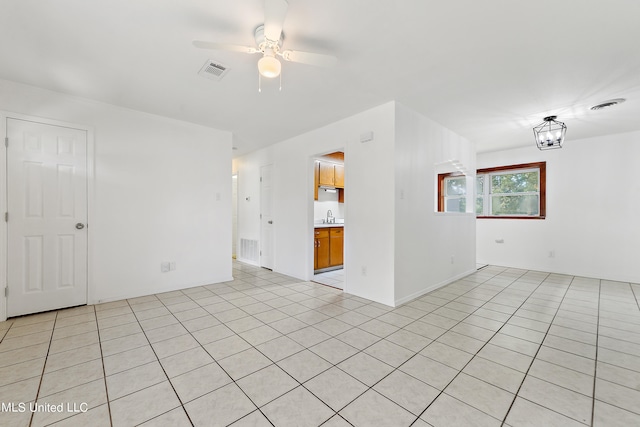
(540, 166)
(442, 191)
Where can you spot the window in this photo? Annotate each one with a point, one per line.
(516, 191)
(455, 189)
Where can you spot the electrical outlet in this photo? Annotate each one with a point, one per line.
(552, 254)
(172, 266)
(165, 267)
(364, 270)
(453, 259)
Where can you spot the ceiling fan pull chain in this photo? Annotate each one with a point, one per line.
(259, 83)
(280, 82)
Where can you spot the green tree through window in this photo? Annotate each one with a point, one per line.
(514, 191)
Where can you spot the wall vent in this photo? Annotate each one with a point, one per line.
(213, 70)
(249, 250)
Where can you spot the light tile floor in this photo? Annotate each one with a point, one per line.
(333, 278)
(500, 347)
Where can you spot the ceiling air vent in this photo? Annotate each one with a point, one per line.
(609, 103)
(213, 70)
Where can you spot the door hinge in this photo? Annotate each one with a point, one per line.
(260, 253)
(6, 292)
(6, 141)
(6, 217)
(260, 216)
(260, 179)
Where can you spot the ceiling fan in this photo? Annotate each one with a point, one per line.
(269, 43)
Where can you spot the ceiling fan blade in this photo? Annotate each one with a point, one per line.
(224, 46)
(316, 59)
(274, 13)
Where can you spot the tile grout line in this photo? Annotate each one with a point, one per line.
(418, 352)
(298, 291)
(487, 341)
(396, 368)
(216, 361)
(224, 370)
(104, 373)
(309, 349)
(352, 327)
(300, 384)
(595, 362)
(44, 365)
(335, 413)
(144, 332)
(636, 297)
(477, 285)
(4, 335)
(516, 394)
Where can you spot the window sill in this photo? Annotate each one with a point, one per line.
(510, 217)
(454, 214)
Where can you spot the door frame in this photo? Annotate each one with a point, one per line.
(311, 215)
(262, 244)
(4, 250)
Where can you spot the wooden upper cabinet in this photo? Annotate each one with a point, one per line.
(326, 174)
(331, 174)
(338, 176)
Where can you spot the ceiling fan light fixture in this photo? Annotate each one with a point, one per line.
(269, 66)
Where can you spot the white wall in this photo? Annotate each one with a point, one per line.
(396, 247)
(593, 205)
(154, 194)
(426, 241)
(327, 201)
(368, 209)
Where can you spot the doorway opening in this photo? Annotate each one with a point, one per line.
(234, 215)
(266, 217)
(329, 230)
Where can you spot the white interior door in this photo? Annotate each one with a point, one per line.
(266, 217)
(47, 205)
(234, 215)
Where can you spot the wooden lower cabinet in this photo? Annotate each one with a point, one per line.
(322, 248)
(328, 247)
(336, 245)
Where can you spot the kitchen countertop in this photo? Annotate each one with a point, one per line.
(317, 225)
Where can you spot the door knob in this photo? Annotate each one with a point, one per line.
(79, 226)
(270, 222)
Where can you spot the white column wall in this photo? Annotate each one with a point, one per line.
(368, 200)
(593, 205)
(162, 192)
(431, 249)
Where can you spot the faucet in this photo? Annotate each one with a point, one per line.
(329, 216)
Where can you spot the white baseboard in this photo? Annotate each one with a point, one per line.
(433, 287)
(247, 261)
(152, 291)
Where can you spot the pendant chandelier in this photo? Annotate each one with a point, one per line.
(550, 133)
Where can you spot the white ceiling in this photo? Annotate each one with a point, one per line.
(489, 70)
